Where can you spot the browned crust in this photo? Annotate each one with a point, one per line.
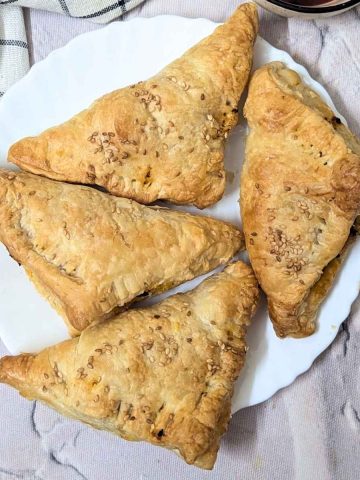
(90, 253)
(300, 193)
(160, 139)
(164, 374)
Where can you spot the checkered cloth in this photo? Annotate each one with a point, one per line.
(14, 55)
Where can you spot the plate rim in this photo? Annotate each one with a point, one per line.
(76, 42)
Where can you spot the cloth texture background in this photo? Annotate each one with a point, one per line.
(309, 430)
(14, 57)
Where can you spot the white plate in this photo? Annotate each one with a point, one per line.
(68, 81)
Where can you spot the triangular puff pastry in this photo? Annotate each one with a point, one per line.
(163, 374)
(90, 253)
(300, 194)
(160, 139)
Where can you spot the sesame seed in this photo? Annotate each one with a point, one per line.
(189, 340)
(44, 389)
(202, 96)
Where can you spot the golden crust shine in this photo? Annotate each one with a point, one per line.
(159, 139)
(162, 374)
(90, 253)
(300, 193)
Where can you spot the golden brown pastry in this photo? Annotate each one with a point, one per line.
(163, 374)
(160, 139)
(90, 253)
(300, 194)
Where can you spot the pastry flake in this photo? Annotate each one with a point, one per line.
(300, 194)
(163, 138)
(163, 374)
(90, 253)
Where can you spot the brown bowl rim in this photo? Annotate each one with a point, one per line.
(319, 9)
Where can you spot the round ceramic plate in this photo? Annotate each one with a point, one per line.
(68, 81)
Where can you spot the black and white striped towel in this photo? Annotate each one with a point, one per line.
(14, 55)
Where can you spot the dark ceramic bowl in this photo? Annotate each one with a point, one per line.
(305, 9)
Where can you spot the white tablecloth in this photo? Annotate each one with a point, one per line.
(310, 430)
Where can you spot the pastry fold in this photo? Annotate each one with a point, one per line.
(300, 194)
(90, 253)
(163, 374)
(163, 138)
